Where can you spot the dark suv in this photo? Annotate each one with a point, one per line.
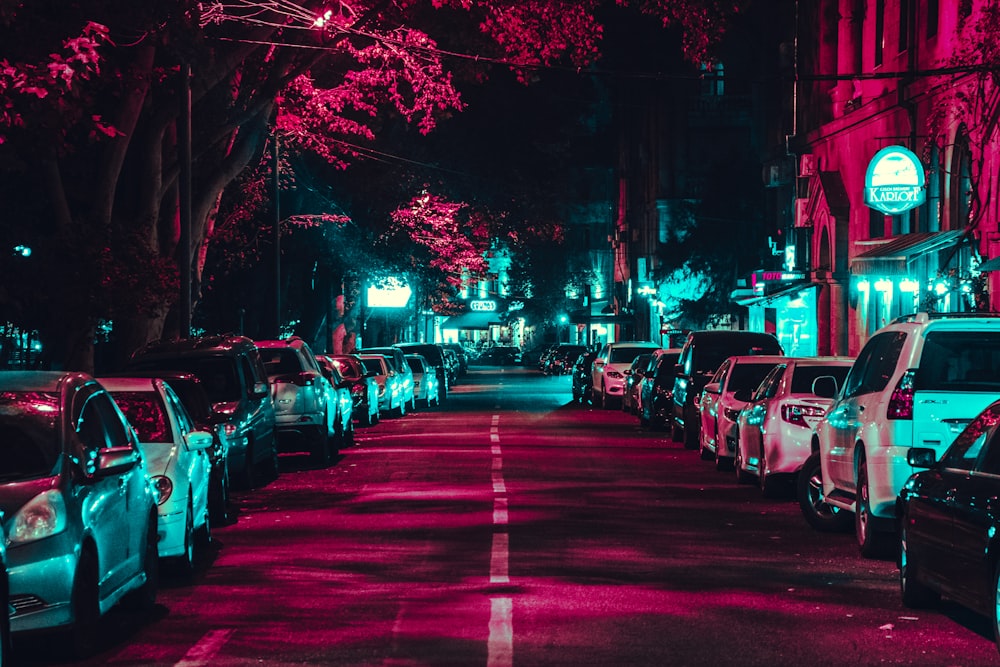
(231, 371)
(702, 354)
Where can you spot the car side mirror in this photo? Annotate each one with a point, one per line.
(115, 460)
(196, 441)
(713, 388)
(260, 390)
(825, 386)
(921, 457)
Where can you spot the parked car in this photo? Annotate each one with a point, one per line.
(79, 510)
(633, 383)
(775, 427)
(425, 382)
(343, 423)
(452, 364)
(231, 371)
(702, 354)
(949, 524)
(608, 376)
(560, 360)
(434, 354)
(463, 356)
(657, 389)
(721, 401)
(500, 355)
(191, 392)
(916, 383)
(305, 403)
(583, 376)
(177, 459)
(390, 394)
(364, 388)
(397, 359)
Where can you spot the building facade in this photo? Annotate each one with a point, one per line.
(884, 95)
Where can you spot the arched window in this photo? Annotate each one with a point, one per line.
(960, 190)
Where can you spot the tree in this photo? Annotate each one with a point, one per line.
(90, 141)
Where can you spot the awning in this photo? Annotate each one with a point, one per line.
(990, 265)
(792, 292)
(472, 320)
(894, 256)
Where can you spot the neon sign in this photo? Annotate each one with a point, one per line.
(894, 182)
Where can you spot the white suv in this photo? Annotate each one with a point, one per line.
(916, 383)
(609, 368)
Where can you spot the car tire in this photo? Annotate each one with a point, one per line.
(348, 438)
(322, 443)
(996, 607)
(915, 594)
(184, 564)
(84, 633)
(809, 493)
(739, 466)
(605, 403)
(691, 439)
(871, 543)
(247, 477)
(768, 484)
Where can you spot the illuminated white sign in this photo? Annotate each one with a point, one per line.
(483, 306)
(894, 182)
(390, 293)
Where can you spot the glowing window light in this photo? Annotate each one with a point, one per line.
(939, 287)
(883, 285)
(908, 285)
(863, 286)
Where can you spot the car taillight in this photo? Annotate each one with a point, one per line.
(796, 414)
(901, 401)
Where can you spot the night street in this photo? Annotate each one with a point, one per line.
(511, 526)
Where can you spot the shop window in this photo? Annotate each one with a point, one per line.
(879, 41)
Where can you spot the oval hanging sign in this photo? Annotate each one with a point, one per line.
(894, 182)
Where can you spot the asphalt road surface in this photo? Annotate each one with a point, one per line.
(513, 527)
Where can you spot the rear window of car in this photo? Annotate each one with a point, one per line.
(280, 361)
(377, 366)
(710, 354)
(959, 360)
(623, 355)
(747, 376)
(146, 413)
(804, 376)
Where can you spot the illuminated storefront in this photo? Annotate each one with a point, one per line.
(784, 303)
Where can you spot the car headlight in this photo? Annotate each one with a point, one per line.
(164, 487)
(43, 516)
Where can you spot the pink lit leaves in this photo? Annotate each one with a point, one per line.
(33, 90)
(454, 238)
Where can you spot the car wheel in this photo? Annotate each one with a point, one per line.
(323, 442)
(185, 562)
(84, 632)
(722, 463)
(691, 439)
(996, 606)
(739, 465)
(812, 502)
(917, 595)
(871, 543)
(348, 437)
(605, 403)
(219, 498)
(768, 486)
(247, 475)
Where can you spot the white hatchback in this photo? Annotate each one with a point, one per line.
(723, 398)
(774, 429)
(177, 458)
(609, 368)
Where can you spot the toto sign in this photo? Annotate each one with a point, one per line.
(895, 181)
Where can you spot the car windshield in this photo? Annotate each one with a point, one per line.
(415, 365)
(217, 374)
(29, 424)
(625, 355)
(960, 360)
(146, 413)
(747, 376)
(964, 452)
(804, 376)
